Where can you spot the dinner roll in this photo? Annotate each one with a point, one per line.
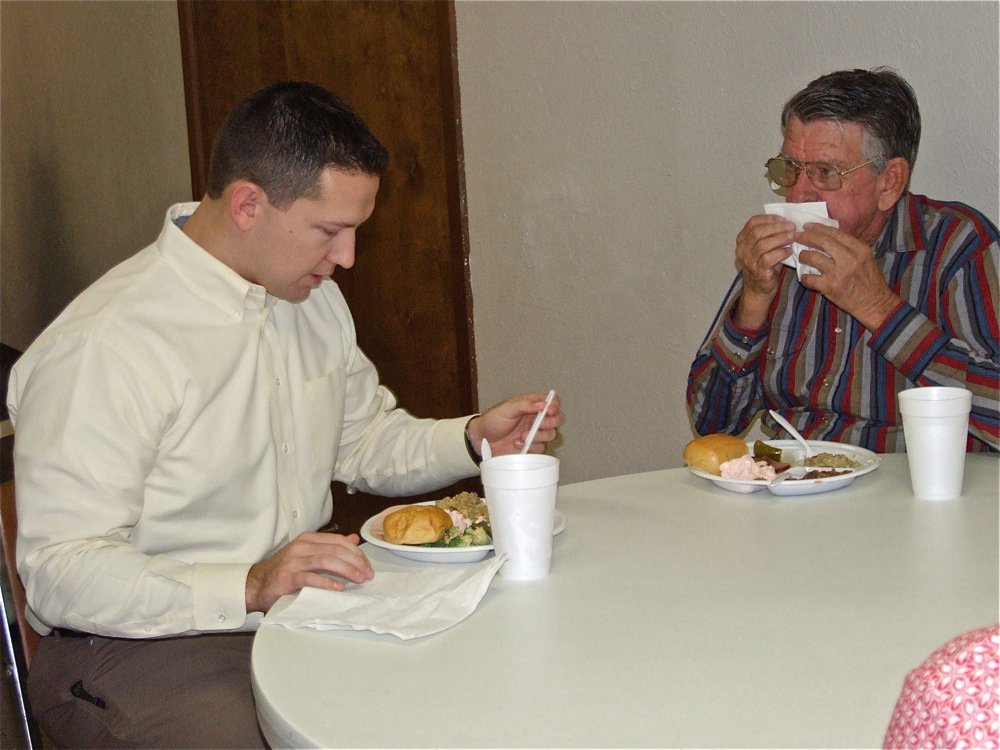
(709, 452)
(416, 524)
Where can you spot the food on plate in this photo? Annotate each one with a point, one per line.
(470, 521)
(416, 524)
(459, 521)
(473, 536)
(468, 504)
(831, 461)
(746, 467)
(763, 450)
(820, 474)
(770, 455)
(709, 452)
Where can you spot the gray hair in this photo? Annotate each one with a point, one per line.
(879, 100)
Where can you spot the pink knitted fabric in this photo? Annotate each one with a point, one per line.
(952, 700)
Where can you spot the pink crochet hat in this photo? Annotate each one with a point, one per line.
(952, 700)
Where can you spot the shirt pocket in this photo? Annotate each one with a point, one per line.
(324, 404)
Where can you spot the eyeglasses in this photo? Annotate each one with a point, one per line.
(784, 172)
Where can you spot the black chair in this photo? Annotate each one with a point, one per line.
(19, 639)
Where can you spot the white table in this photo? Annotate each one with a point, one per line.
(677, 614)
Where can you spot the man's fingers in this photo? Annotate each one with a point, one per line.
(317, 581)
(353, 569)
(327, 554)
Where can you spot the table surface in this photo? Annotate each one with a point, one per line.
(676, 614)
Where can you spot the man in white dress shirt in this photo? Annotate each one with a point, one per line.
(178, 427)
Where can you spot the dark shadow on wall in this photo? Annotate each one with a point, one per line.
(57, 274)
(8, 356)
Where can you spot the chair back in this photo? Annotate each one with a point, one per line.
(19, 645)
(8, 537)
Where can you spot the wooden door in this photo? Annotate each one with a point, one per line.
(395, 63)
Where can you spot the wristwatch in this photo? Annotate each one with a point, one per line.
(473, 454)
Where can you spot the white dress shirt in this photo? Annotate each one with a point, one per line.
(176, 424)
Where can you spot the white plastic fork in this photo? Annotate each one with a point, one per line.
(791, 431)
(793, 472)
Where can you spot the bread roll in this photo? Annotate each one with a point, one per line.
(708, 452)
(415, 524)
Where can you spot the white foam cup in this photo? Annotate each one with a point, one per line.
(935, 428)
(520, 492)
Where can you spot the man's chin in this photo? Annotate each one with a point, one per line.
(302, 292)
(293, 296)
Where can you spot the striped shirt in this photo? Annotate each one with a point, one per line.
(834, 379)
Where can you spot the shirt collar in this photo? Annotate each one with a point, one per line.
(897, 234)
(207, 276)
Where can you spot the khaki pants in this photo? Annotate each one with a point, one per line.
(173, 692)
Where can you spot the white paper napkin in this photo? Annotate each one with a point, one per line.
(801, 214)
(408, 604)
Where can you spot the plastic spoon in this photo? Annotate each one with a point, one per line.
(791, 431)
(538, 421)
(485, 451)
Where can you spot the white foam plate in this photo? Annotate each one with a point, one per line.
(372, 533)
(868, 463)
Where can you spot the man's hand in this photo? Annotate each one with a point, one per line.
(849, 276)
(506, 425)
(308, 560)
(762, 244)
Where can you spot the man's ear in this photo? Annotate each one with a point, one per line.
(245, 202)
(892, 182)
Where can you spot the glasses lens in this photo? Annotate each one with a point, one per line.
(782, 171)
(824, 176)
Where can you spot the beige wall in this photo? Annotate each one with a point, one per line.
(614, 150)
(94, 147)
(612, 153)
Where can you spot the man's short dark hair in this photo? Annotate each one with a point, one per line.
(283, 136)
(879, 100)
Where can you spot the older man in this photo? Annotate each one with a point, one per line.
(906, 292)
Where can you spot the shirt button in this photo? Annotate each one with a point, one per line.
(277, 382)
(745, 339)
(222, 618)
(838, 329)
(295, 514)
(826, 383)
(284, 448)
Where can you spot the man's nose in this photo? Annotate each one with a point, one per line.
(342, 252)
(803, 191)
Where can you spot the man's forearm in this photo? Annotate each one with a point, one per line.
(922, 351)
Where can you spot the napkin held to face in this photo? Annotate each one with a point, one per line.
(801, 214)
